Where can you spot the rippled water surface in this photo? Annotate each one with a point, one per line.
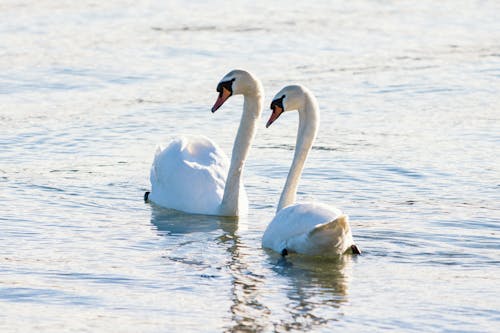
(408, 146)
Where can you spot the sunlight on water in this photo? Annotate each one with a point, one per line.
(409, 95)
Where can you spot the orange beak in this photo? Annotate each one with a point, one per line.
(277, 111)
(223, 96)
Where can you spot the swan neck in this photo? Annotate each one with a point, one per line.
(308, 127)
(252, 108)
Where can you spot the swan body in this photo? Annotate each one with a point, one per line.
(192, 174)
(309, 228)
(197, 169)
(306, 228)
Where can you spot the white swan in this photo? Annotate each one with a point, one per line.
(306, 228)
(192, 174)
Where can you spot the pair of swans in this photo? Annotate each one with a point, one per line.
(192, 174)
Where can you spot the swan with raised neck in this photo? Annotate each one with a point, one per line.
(250, 87)
(192, 174)
(297, 97)
(308, 228)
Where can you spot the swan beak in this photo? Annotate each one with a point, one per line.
(223, 96)
(277, 111)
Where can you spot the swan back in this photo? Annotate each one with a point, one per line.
(189, 175)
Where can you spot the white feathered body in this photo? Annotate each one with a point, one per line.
(189, 175)
(306, 228)
(309, 228)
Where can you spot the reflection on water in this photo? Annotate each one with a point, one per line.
(311, 284)
(323, 274)
(406, 146)
(248, 312)
(317, 289)
(171, 221)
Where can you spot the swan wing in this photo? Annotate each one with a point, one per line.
(189, 175)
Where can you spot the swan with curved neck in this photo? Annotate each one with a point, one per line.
(192, 174)
(308, 228)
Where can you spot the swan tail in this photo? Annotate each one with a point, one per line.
(340, 224)
(334, 236)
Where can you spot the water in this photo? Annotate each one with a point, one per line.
(408, 147)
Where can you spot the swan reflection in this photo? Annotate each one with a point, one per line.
(318, 273)
(305, 293)
(171, 221)
(198, 243)
(314, 287)
(295, 293)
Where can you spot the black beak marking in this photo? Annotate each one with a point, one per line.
(225, 84)
(278, 102)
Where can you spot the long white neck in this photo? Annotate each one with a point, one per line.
(308, 127)
(252, 108)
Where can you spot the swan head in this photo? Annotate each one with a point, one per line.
(236, 82)
(287, 99)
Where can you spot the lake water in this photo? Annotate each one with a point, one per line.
(408, 146)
